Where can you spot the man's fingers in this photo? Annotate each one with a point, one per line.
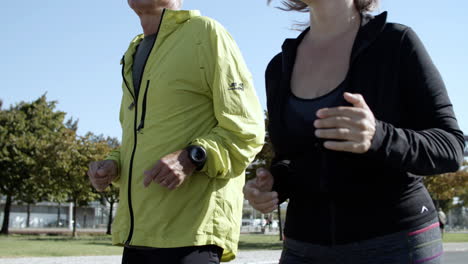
(148, 178)
(102, 173)
(101, 188)
(173, 185)
(166, 180)
(161, 172)
(93, 167)
(108, 167)
(101, 181)
(150, 175)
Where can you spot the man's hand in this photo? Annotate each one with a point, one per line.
(350, 129)
(258, 192)
(171, 170)
(102, 173)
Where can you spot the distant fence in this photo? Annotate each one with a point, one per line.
(95, 216)
(47, 215)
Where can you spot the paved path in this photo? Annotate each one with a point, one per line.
(456, 253)
(244, 257)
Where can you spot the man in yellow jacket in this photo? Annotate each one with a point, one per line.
(191, 124)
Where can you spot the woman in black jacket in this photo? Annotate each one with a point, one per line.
(358, 114)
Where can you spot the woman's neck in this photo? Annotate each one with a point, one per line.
(332, 19)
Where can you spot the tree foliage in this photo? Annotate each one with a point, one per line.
(43, 159)
(26, 133)
(445, 187)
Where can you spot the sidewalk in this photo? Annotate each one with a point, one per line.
(244, 257)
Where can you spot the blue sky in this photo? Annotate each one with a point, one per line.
(71, 49)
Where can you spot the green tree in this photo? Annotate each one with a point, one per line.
(443, 188)
(57, 192)
(72, 169)
(26, 130)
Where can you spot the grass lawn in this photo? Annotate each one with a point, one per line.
(455, 237)
(100, 245)
(259, 242)
(56, 246)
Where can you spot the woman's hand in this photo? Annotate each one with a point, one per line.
(258, 192)
(349, 129)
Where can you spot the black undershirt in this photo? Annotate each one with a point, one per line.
(300, 114)
(139, 60)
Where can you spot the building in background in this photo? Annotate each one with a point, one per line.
(54, 215)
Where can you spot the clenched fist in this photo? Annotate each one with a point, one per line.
(258, 192)
(349, 129)
(170, 171)
(102, 173)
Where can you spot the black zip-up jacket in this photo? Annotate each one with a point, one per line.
(340, 197)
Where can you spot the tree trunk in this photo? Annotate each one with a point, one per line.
(28, 214)
(58, 215)
(6, 216)
(74, 219)
(279, 223)
(109, 223)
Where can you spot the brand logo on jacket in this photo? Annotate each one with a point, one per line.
(236, 86)
(424, 209)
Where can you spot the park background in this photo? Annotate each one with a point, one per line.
(71, 52)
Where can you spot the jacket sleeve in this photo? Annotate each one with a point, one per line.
(280, 169)
(436, 146)
(115, 153)
(240, 132)
(115, 156)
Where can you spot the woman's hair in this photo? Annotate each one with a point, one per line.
(297, 5)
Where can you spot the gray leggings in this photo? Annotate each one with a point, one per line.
(419, 245)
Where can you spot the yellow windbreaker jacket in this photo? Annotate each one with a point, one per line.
(195, 89)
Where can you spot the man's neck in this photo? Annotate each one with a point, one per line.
(329, 19)
(150, 14)
(150, 21)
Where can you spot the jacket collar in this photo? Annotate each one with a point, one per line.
(371, 27)
(171, 20)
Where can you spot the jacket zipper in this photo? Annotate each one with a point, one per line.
(143, 113)
(126, 84)
(135, 140)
